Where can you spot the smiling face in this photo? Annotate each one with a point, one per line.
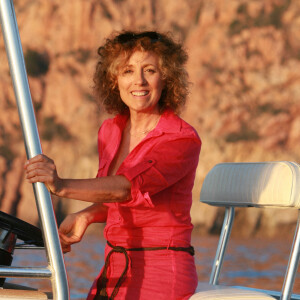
(140, 82)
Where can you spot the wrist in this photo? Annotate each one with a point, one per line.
(58, 188)
(85, 217)
(96, 213)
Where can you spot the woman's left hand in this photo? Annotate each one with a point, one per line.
(72, 229)
(42, 169)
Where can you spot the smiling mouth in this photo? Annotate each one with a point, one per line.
(140, 93)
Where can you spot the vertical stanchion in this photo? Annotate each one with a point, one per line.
(291, 271)
(33, 147)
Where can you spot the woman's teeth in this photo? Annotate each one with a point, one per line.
(142, 93)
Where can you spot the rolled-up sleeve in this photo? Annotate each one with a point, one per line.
(160, 168)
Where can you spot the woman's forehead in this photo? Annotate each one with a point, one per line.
(138, 57)
(142, 56)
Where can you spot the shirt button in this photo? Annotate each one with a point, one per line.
(150, 161)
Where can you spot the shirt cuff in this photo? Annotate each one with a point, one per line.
(137, 197)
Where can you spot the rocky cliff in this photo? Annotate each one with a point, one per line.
(244, 66)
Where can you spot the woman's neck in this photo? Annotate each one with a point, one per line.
(140, 124)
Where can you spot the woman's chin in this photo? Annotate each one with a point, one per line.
(144, 109)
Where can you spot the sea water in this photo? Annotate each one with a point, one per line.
(251, 262)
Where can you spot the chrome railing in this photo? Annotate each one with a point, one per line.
(15, 56)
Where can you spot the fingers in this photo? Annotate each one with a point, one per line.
(38, 158)
(42, 169)
(40, 172)
(66, 242)
(31, 166)
(71, 231)
(71, 239)
(66, 249)
(39, 161)
(39, 166)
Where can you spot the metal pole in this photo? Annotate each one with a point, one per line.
(33, 147)
(41, 273)
(291, 271)
(223, 242)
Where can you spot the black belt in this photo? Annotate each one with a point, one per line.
(101, 293)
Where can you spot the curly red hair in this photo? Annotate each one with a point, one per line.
(117, 50)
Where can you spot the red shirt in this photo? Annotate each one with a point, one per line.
(161, 169)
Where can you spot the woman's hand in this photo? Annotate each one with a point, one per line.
(73, 227)
(71, 230)
(42, 169)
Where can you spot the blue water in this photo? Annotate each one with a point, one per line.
(258, 263)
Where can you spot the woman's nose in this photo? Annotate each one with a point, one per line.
(140, 78)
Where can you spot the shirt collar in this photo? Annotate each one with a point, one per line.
(169, 122)
(120, 120)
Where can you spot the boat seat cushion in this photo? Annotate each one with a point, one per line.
(217, 292)
(273, 184)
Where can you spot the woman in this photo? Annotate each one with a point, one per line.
(147, 162)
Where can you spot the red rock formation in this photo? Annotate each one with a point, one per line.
(244, 65)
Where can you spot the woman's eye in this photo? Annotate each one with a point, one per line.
(126, 72)
(150, 70)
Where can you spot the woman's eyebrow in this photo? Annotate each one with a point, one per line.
(149, 65)
(127, 66)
